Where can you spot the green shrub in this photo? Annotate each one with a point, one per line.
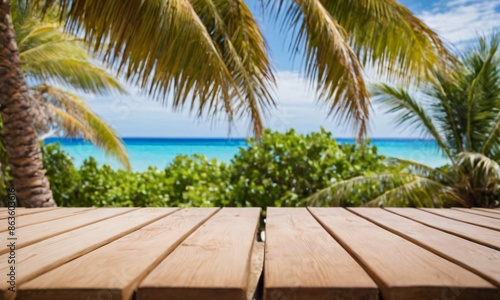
(279, 170)
(284, 168)
(64, 178)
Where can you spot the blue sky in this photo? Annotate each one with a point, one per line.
(457, 21)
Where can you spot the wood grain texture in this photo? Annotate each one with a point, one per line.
(483, 213)
(256, 268)
(484, 236)
(454, 214)
(127, 261)
(477, 258)
(212, 263)
(36, 259)
(304, 262)
(490, 210)
(401, 269)
(39, 232)
(38, 218)
(26, 211)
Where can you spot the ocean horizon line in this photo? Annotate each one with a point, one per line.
(234, 138)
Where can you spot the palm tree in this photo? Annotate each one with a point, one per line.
(51, 58)
(460, 110)
(48, 55)
(211, 56)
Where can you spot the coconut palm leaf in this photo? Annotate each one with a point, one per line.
(419, 192)
(461, 111)
(338, 193)
(158, 52)
(409, 112)
(242, 46)
(66, 112)
(374, 28)
(339, 37)
(162, 46)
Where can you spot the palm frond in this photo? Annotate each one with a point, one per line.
(73, 117)
(50, 55)
(338, 193)
(242, 46)
(480, 163)
(419, 192)
(422, 170)
(408, 112)
(162, 46)
(375, 28)
(329, 60)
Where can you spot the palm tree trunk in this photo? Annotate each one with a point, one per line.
(23, 151)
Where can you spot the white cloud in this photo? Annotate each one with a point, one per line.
(461, 20)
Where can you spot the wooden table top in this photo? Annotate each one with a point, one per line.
(212, 253)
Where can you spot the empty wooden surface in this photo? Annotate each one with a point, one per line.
(466, 217)
(37, 218)
(48, 254)
(303, 261)
(25, 211)
(127, 261)
(316, 253)
(485, 236)
(496, 211)
(402, 269)
(39, 232)
(212, 263)
(491, 213)
(479, 259)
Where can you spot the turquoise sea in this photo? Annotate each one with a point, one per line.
(144, 152)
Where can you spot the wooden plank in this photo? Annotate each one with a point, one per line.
(484, 236)
(127, 261)
(402, 269)
(38, 218)
(485, 261)
(38, 232)
(256, 267)
(27, 211)
(465, 217)
(39, 258)
(304, 262)
(478, 212)
(491, 210)
(212, 263)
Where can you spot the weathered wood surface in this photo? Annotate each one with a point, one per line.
(473, 219)
(402, 269)
(24, 211)
(481, 235)
(212, 263)
(127, 260)
(303, 261)
(482, 260)
(491, 213)
(211, 253)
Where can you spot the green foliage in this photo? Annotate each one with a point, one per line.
(63, 176)
(279, 170)
(283, 168)
(461, 112)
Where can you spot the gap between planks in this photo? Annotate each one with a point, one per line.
(477, 234)
(303, 261)
(485, 261)
(484, 213)
(461, 216)
(53, 252)
(212, 263)
(401, 269)
(128, 260)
